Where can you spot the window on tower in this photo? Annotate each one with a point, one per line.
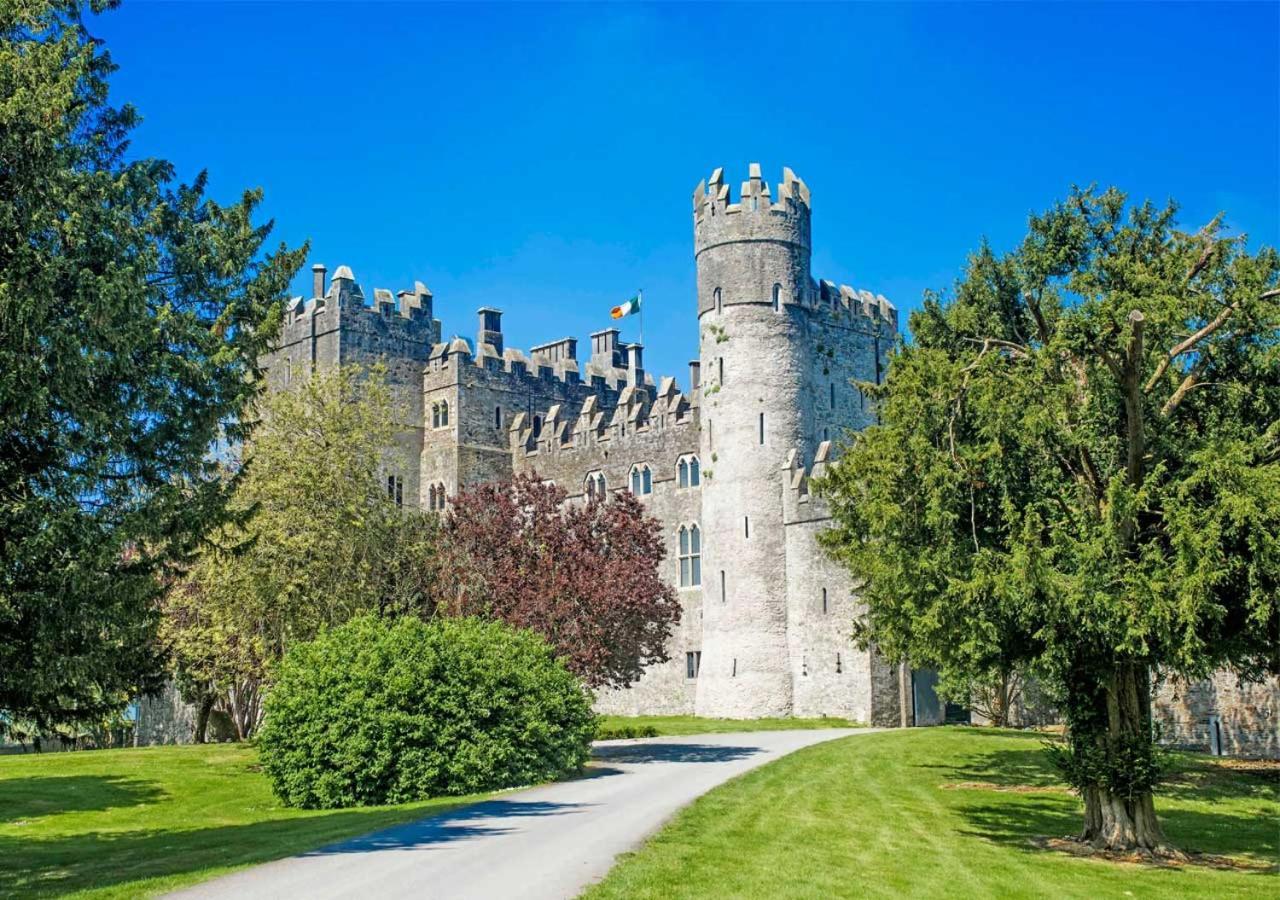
(690, 555)
(687, 472)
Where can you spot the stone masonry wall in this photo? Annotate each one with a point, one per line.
(658, 442)
(1247, 715)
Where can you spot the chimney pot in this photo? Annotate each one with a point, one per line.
(317, 279)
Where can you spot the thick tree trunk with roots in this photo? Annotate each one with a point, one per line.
(1123, 819)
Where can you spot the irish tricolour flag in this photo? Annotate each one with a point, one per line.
(625, 309)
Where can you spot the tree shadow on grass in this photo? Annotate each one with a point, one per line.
(1005, 817)
(52, 867)
(645, 753)
(1028, 765)
(30, 798)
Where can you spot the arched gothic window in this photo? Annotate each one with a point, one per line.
(641, 480)
(435, 415)
(595, 485)
(690, 546)
(537, 427)
(687, 472)
(444, 413)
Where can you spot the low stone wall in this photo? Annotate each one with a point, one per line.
(165, 719)
(1222, 714)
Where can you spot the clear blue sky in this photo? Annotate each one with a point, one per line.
(541, 158)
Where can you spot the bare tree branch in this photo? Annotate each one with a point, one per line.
(1187, 384)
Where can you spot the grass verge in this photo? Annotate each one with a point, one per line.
(131, 823)
(942, 812)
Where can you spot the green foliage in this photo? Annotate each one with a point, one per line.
(132, 313)
(316, 542)
(1078, 469)
(388, 712)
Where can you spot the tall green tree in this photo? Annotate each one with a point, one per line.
(316, 540)
(133, 310)
(1078, 470)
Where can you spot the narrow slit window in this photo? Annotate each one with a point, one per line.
(497, 417)
(824, 600)
(777, 297)
(692, 663)
(746, 526)
(762, 428)
(722, 585)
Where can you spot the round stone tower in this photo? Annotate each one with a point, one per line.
(753, 302)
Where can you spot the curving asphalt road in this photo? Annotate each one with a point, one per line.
(543, 843)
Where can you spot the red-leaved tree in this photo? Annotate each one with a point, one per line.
(584, 576)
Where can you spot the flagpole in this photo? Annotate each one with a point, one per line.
(640, 300)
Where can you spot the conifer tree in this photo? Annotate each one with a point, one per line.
(1078, 471)
(133, 310)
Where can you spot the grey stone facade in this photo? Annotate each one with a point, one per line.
(1222, 714)
(724, 465)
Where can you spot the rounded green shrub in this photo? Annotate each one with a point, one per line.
(378, 712)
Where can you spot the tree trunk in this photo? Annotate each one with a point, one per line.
(202, 718)
(1114, 821)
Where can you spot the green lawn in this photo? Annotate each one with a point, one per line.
(129, 823)
(918, 814)
(694, 725)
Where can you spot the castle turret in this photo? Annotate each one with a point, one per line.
(753, 299)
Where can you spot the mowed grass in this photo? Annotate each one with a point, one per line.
(132, 823)
(941, 812)
(673, 725)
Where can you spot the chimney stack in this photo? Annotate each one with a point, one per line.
(695, 374)
(490, 328)
(317, 279)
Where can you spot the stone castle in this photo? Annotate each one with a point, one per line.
(724, 464)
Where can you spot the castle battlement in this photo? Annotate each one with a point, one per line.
(455, 359)
(712, 198)
(757, 215)
(636, 412)
(856, 305)
(408, 312)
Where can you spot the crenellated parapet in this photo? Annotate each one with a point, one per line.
(407, 314)
(860, 308)
(758, 213)
(616, 423)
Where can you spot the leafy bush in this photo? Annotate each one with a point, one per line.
(623, 732)
(378, 712)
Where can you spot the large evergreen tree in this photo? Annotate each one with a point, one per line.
(132, 313)
(1078, 470)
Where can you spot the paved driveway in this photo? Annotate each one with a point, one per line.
(544, 843)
